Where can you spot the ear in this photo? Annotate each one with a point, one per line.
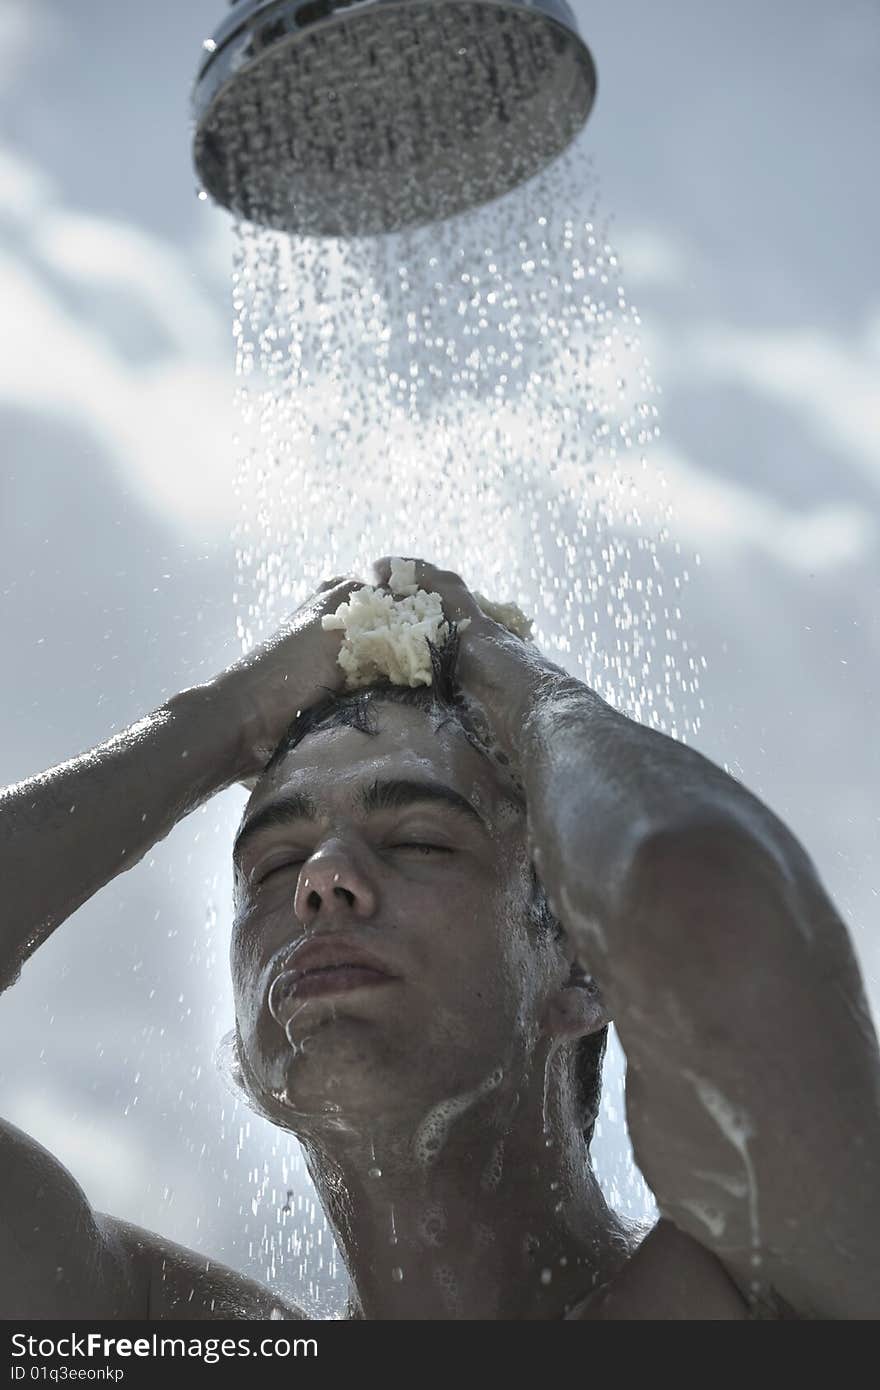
(575, 1008)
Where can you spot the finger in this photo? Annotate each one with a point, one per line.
(382, 567)
(342, 587)
(426, 574)
(382, 570)
(433, 577)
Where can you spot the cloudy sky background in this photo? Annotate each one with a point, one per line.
(735, 150)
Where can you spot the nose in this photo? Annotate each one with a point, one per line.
(332, 887)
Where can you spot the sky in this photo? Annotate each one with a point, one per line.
(734, 148)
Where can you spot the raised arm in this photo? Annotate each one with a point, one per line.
(68, 831)
(753, 1075)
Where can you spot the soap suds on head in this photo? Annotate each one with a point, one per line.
(387, 638)
(402, 579)
(386, 634)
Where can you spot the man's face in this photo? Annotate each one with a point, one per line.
(346, 883)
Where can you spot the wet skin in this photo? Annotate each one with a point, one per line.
(437, 897)
(423, 1073)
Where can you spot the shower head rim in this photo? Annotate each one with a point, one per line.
(232, 54)
(224, 52)
(244, 12)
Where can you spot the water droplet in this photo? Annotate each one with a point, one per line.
(546, 1276)
(374, 1172)
(397, 1274)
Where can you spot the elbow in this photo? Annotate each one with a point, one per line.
(711, 885)
(719, 845)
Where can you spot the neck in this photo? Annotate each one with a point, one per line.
(481, 1209)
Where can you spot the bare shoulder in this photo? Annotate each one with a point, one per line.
(56, 1260)
(669, 1277)
(183, 1284)
(61, 1259)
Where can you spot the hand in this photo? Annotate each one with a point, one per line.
(504, 674)
(295, 668)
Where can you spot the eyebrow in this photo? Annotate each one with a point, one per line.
(389, 795)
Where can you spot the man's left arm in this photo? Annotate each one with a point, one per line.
(753, 1075)
(753, 1078)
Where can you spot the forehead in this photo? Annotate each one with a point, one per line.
(334, 762)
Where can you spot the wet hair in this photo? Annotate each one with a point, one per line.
(446, 699)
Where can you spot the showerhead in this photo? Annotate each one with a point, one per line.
(355, 117)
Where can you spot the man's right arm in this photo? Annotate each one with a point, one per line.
(68, 831)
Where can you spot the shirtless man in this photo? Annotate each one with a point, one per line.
(429, 940)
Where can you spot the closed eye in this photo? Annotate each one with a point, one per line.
(280, 868)
(414, 844)
(407, 844)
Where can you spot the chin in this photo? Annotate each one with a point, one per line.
(337, 1067)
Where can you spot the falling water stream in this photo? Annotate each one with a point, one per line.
(475, 393)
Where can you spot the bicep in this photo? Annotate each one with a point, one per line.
(753, 1083)
(57, 1258)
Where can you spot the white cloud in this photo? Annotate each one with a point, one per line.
(97, 250)
(168, 427)
(834, 382)
(832, 379)
(726, 519)
(25, 191)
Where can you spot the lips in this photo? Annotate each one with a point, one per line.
(324, 967)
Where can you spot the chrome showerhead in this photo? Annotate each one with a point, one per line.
(335, 118)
